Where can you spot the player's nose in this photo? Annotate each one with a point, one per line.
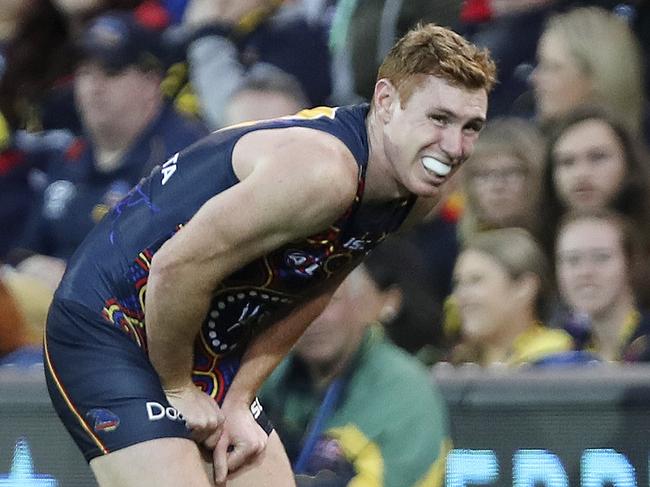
(452, 143)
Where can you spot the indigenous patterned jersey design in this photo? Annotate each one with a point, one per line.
(258, 294)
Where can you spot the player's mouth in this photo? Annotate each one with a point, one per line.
(436, 166)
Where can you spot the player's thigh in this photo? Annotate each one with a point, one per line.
(271, 469)
(102, 385)
(163, 462)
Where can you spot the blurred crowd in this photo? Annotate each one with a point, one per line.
(539, 255)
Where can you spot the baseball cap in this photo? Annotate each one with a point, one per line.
(118, 40)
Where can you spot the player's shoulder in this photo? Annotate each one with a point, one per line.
(327, 154)
(317, 161)
(327, 166)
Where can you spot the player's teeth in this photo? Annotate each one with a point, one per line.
(434, 165)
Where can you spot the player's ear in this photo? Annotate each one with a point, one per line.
(385, 98)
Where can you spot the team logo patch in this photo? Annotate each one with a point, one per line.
(256, 408)
(103, 420)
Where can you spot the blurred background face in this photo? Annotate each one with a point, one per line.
(589, 165)
(591, 267)
(481, 288)
(254, 105)
(558, 82)
(339, 329)
(499, 185)
(107, 100)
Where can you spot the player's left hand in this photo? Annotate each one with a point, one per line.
(241, 442)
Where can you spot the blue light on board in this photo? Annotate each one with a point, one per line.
(22, 470)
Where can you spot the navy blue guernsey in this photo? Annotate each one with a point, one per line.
(108, 274)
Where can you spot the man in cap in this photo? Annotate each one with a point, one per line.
(128, 129)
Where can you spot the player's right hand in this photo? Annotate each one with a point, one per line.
(201, 413)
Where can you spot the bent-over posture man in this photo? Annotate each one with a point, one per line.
(193, 288)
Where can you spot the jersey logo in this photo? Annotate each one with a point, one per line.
(358, 244)
(256, 408)
(169, 168)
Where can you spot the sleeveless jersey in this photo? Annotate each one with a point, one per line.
(109, 272)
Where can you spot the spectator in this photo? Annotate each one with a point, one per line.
(22, 161)
(589, 55)
(363, 31)
(319, 398)
(411, 318)
(128, 129)
(15, 192)
(594, 162)
(36, 89)
(510, 29)
(502, 180)
(230, 36)
(266, 92)
(598, 263)
(501, 287)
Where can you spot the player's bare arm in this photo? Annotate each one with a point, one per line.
(293, 186)
(262, 356)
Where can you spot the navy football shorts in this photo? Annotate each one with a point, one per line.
(103, 386)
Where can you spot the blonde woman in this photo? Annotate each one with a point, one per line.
(589, 55)
(501, 285)
(502, 180)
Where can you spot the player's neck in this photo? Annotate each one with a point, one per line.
(382, 183)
